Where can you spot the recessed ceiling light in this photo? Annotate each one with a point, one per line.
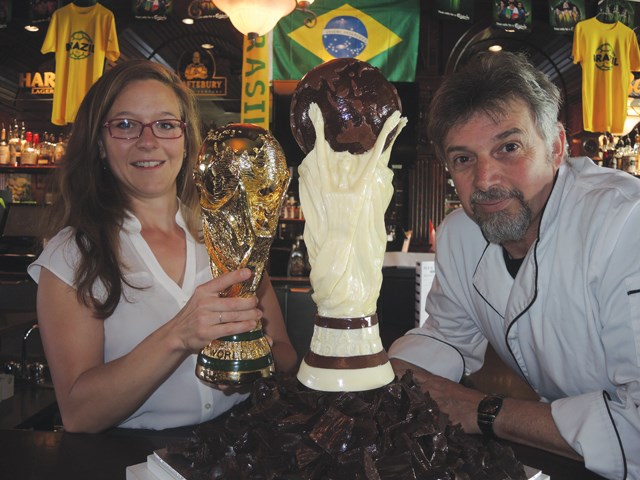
(207, 46)
(187, 21)
(31, 28)
(495, 48)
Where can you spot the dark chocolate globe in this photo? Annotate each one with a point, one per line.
(355, 99)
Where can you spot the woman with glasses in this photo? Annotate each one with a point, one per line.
(125, 294)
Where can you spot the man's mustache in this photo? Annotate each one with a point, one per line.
(494, 194)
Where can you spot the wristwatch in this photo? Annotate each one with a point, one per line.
(488, 410)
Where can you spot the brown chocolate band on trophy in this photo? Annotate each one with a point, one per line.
(346, 323)
(341, 363)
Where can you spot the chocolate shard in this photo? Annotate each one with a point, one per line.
(297, 422)
(369, 466)
(306, 454)
(396, 466)
(333, 432)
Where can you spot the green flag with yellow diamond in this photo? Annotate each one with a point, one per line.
(383, 33)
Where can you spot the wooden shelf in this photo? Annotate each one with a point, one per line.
(35, 169)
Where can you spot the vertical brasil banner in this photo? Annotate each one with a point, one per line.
(255, 82)
(384, 34)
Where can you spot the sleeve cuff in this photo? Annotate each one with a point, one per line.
(585, 423)
(430, 354)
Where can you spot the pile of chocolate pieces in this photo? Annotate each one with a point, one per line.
(287, 431)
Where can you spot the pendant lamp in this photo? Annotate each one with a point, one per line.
(255, 17)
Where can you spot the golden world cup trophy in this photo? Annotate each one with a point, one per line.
(242, 178)
(345, 116)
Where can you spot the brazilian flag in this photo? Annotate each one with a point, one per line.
(383, 33)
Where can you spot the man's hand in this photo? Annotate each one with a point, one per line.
(522, 421)
(457, 401)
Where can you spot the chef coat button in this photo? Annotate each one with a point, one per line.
(207, 406)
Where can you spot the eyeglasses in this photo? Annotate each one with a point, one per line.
(125, 129)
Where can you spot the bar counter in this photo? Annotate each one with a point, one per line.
(29, 453)
(35, 455)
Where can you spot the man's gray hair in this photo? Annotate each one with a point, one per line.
(486, 85)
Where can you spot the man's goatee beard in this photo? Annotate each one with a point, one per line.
(502, 226)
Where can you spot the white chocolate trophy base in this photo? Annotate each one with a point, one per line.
(357, 350)
(345, 380)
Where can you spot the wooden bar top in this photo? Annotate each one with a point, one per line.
(36, 455)
(27, 404)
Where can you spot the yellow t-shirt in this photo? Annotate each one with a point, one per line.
(608, 54)
(81, 37)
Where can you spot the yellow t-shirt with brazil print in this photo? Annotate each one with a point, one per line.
(608, 53)
(81, 38)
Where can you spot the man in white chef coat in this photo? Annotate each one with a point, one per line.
(543, 263)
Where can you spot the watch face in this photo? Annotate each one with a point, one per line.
(490, 405)
(488, 408)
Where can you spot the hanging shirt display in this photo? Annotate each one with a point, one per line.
(608, 53)
(81, 38)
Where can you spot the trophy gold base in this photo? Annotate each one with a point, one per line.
(346, 355)
(236, 359)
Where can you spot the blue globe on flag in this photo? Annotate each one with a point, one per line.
(345, 37)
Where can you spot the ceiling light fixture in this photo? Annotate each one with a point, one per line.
(31, 28)
(254, 18)
(495, 48)
(207, 46)
(187, 21)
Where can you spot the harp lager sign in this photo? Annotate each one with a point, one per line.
(37, 83)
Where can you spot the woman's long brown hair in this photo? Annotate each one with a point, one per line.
(90, 200)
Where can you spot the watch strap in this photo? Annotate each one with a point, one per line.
(488, 410)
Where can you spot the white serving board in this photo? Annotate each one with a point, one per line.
(155, 468)
(140, 472)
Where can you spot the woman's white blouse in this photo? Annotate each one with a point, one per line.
(182, 399)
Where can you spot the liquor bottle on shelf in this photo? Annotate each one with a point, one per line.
(21, 144)
(632, 165)
(4, 147)
(43, 150)
(626, 156)
(29, 155)
(14, 144)
(599, 159)
(617, 153)
(606, 161)
(298, 261)
(611, 152)
(59, 149)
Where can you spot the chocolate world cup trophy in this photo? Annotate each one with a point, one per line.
(242, 179)
(345, 116)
